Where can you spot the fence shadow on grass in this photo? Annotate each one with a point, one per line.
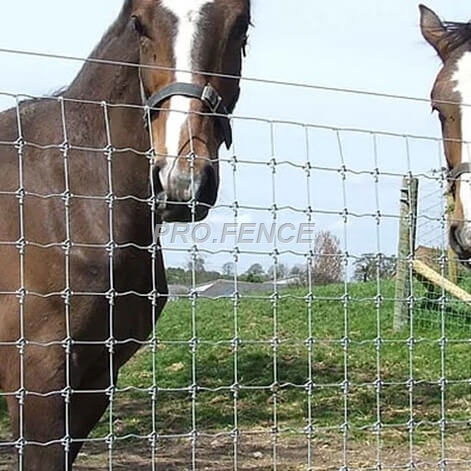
(215, 408)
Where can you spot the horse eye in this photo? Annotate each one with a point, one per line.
(139, 27)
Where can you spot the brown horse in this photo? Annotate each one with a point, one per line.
(83, 183)
(451, 97)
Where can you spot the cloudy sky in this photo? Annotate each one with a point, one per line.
(371, 46)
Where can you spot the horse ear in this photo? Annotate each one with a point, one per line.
(433, 30)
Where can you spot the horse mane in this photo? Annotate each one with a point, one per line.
(115, 30)
(458, 34)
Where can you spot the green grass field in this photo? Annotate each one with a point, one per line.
(261, 369)
(361, 362)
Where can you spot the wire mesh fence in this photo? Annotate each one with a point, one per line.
(265, 369)
(431, 247)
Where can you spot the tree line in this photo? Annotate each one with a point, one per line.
(326, 265)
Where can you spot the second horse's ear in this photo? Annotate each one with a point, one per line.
(433, 30)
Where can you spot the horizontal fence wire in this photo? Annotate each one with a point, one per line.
(256, 369)
(259, 80)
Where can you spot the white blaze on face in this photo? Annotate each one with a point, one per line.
(188, 14)
(462, 76)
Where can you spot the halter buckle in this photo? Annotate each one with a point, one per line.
(211, 98)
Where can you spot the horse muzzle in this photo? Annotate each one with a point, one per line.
(460, 242)
(184, 199)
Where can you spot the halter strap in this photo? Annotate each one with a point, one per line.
(207, 94)
(459, 170)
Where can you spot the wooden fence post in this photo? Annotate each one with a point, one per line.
(406, 249)
(452, 259)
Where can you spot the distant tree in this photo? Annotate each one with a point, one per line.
(326, 266)
(255, 274)
(282, 271)
(252, 278)
(177, 276)
(369, 266)
(228, 269)
(198, 264)
(297, 270)
(205, 276)
(256, 269)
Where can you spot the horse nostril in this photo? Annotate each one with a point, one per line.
(458, 238)
(207, 192)
(158, 188)
(454, 232)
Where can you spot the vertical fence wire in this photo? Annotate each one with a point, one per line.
(154, 298)
(275, 302)
(194, 309)
(378, 427)
(310, 428)
(443, 344)
(345, 341)
(155, 230)
(411, 304)
(443, 341)
(67, 294)
(22, 291)
(111, 295)
(236, 342)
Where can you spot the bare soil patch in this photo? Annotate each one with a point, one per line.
(255, 452)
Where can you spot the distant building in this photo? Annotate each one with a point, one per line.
(226, 288)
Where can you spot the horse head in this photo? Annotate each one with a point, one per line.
(191, 57)
(451, 99)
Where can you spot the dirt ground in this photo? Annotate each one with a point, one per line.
(255, 453)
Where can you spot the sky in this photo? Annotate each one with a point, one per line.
(370, 46)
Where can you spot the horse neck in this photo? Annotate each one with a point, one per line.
(117, 84)
(112, 80)
(114, 83)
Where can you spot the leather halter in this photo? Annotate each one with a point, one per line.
(459, 171)
(207, 95)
